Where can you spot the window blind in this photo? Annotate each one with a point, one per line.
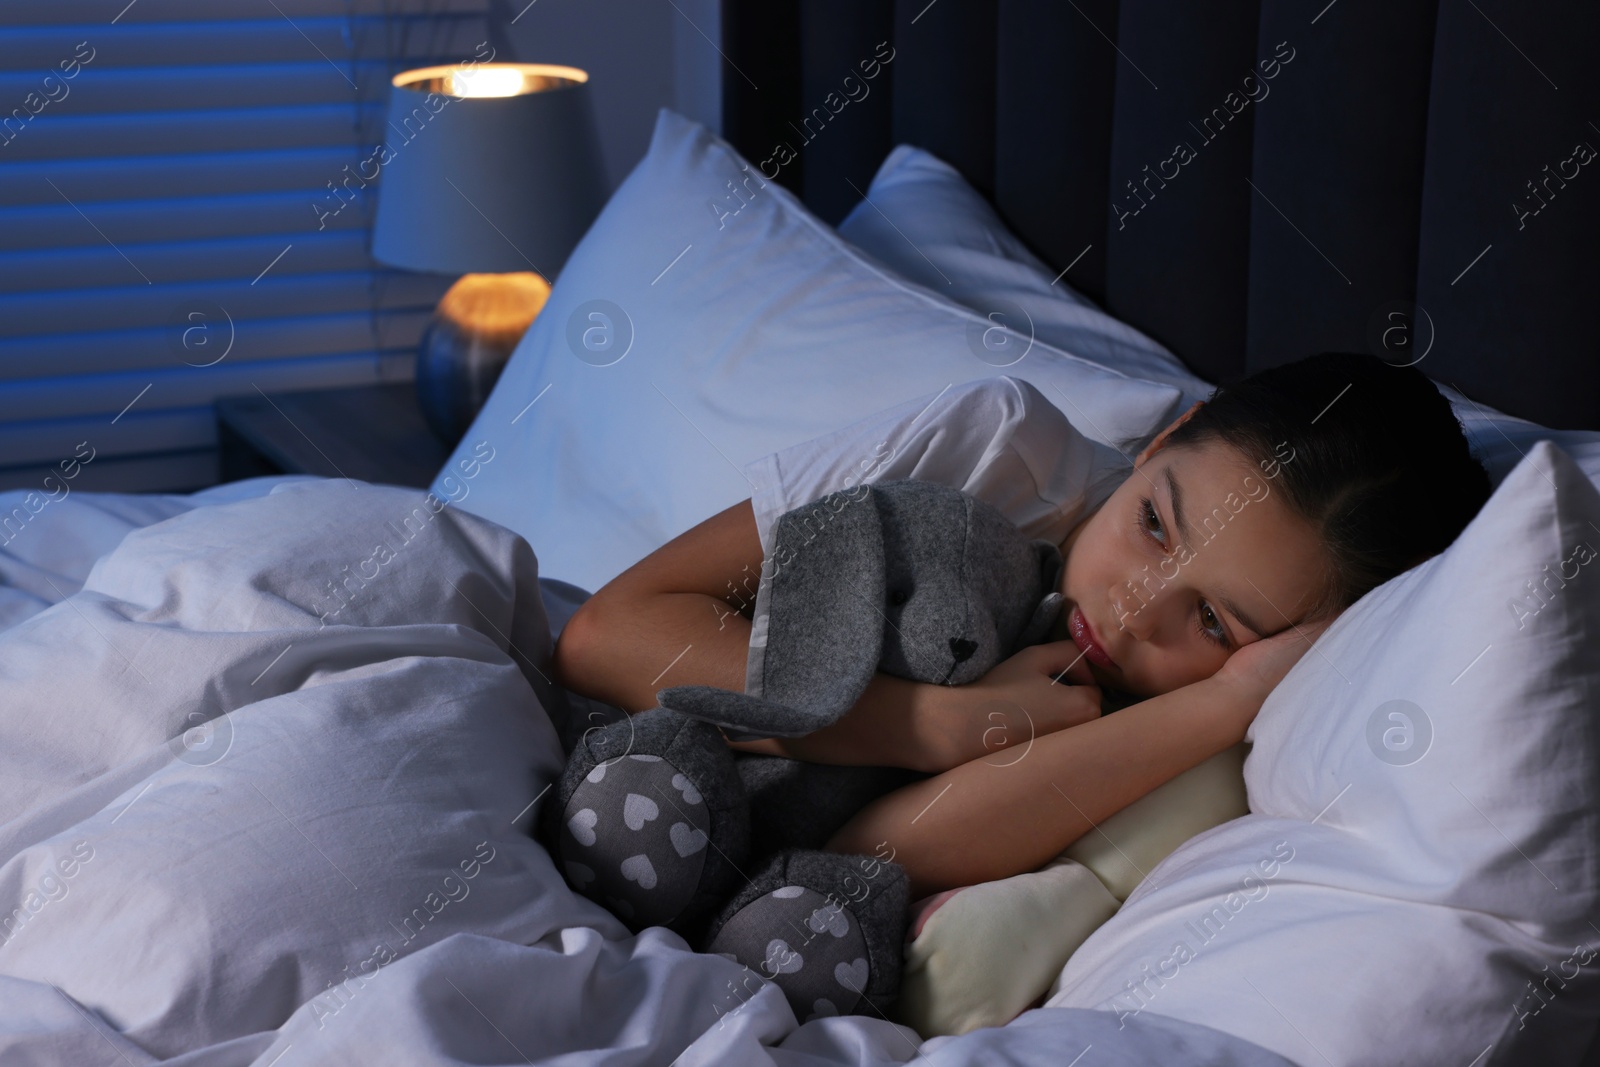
(173, 186)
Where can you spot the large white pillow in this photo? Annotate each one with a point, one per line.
(708, 319)
(1424, 843)
(923, 219)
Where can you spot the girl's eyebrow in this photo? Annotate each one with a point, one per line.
(1233, 608)
(1175, 500)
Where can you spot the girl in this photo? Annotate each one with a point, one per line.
(1190, 589)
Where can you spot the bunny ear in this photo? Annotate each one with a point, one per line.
(817, 631)
(1044, 616)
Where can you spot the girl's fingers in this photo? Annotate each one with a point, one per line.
(1055, 657)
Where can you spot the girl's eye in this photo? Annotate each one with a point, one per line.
(1150, 522)
(1210, 626)
(1207, 621)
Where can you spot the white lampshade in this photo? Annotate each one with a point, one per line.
(491, 167)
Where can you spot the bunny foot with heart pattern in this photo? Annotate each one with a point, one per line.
(819, 928)
(653, 820)
(650, 820)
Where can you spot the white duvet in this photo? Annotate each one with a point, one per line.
(264, 790)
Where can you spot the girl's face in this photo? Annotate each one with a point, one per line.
(1193, 557)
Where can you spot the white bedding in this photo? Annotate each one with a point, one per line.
(48, 541)
(243, 821)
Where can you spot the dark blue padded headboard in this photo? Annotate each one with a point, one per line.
(1413, 172)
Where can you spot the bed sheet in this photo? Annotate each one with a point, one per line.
(246, 821)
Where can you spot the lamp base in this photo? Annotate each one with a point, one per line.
(475, 328)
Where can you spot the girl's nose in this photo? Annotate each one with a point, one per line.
(1134, 615)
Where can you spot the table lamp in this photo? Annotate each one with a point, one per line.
(493, 173)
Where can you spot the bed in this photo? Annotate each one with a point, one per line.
(272, 750)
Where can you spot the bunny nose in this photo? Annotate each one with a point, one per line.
(961, 648)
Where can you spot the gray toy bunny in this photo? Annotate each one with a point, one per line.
(659, 820)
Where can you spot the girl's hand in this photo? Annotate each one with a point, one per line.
(1019, 699)
(1258, 667)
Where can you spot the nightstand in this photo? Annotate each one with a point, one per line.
(374, 433)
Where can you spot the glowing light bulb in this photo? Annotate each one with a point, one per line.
(486, 81)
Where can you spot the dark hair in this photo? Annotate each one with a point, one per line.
(1380, 466)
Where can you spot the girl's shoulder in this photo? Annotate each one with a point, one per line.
(998, 437)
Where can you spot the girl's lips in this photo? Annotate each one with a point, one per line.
(1083, 636)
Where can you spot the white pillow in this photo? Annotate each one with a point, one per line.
(731, 324)
(1425, 789)
(1500, 440)
(925, 221)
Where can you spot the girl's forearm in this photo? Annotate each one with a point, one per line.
(623, 656)
(1007, 813)
(885, 728)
